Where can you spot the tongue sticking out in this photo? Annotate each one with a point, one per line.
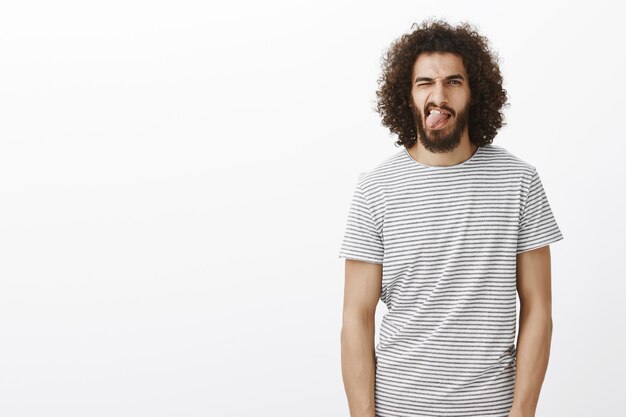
(434, 119)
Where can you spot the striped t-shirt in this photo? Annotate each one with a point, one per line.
(447, 237)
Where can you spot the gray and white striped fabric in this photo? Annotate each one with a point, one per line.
(447, 238)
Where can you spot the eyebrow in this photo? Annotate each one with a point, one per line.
(449, 77)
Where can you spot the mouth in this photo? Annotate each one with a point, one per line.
(437, 118)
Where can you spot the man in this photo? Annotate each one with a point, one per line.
(446, 232)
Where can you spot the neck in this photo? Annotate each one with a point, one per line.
(460, 154)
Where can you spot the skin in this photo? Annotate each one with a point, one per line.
(362, 290)
(535, 333)
(451, 144)
(363, 280)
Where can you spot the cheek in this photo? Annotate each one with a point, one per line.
(417, 100)
(467, 95)
(461, 99)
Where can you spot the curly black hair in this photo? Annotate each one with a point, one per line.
(481, 64)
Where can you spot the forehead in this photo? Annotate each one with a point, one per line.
(436, 64)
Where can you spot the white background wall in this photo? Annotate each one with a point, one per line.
(175, 179)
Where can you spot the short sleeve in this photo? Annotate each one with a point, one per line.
(362, 240)
(537, 225)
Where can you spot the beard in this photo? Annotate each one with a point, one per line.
(441, 140)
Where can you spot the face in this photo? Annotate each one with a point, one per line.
(440, 81)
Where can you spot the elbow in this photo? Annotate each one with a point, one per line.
(358, 316)
(357, 324)
(551, 325)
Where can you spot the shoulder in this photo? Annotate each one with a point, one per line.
(500, 158)
(384, 172)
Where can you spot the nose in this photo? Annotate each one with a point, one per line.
(438, 93)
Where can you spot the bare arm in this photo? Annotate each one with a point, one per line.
(535, 334)
(362, 291)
